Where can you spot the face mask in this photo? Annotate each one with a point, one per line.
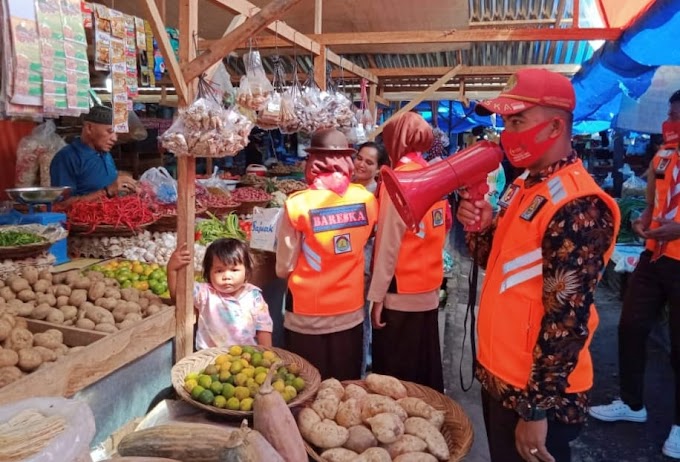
(671, 131)
(522, 149)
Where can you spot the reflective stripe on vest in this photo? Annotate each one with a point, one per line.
(419, 267)
(511, 306)
(328, 278)
(666, 165)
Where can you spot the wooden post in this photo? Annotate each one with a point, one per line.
(372, 94)
(425, 94)
(226, 44)
(186, 195)
(576, 14)
(318, 16)
(320, 69)
(160, 4)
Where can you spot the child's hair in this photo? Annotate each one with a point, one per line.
(230, 252)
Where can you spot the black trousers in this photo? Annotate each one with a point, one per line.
(500, 424)
(651, 286)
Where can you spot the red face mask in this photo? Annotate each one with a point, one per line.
(671, 131)
(522, 149)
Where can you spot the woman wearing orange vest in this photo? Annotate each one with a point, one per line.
(544, 254)
(320, 250)
(407, 270)
(654, 283)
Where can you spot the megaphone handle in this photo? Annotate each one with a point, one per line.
(477, 192)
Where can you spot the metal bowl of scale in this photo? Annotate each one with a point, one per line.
(37, 195)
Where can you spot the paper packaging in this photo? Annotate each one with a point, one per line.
(265, 227)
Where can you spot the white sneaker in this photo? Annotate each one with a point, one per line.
(618, 410)
(671, 447)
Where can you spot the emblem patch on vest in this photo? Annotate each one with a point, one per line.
(340, 217)
(536, 205)
(666, 153)
(508, 196)
(660, 171)
(437, 217)
(342, 244)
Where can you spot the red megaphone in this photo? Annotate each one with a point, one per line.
(415, 191)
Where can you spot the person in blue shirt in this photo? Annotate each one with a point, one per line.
(86, 165)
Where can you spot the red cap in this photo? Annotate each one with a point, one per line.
(528, 88)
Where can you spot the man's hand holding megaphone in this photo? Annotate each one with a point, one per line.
(474, 212)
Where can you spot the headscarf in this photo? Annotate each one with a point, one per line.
(409, 133)
(329, 171)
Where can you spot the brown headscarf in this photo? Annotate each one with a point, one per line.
(334, 171)
(406, 134)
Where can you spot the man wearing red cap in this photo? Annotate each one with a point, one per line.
(544, 254)
(653, 284)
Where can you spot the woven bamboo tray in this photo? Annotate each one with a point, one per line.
(106, 230)
(246, 207)
(203, 358)
(23, 251)
(457, 428)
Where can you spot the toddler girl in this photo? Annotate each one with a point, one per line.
(230, 310)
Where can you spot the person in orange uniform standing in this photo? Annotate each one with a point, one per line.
(407, 270)
(320, 250)
(544, 254)
(653, 284)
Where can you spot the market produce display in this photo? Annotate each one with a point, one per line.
(212, 229)
(139, 275)
(88, 301)
(17, 238)
(130, 212)
(233, 380)
(290, 186)
(250, 194)
(17, 445)
(221, 200)
(22, 351)
(376, 421)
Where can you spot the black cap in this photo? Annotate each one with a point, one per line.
(99, 115)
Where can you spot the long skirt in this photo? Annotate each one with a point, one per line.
(338, 354)
(408, 347)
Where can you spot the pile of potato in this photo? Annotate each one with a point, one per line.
(22, 351)
(382, 424)
(88, 301)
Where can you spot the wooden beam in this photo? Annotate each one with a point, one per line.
(559, 16)
(160, 4)
(382, 100)
(470, 71)
(469, 35)
(576, 14)
(228, 43)
(318, 16)
(350, 67)
(422, 96)
(441, 95)
(320, 69)
(171, 64)
(372, 94)
(517, 23)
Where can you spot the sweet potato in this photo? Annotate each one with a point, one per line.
(129, 294)
(25, 309)
(94, 276)
(99, 315)
(407, 443)
(77, 297)
(386, 385)
(51, 338)
(7, 294)
(326, 403)
(354, 391)
(119, 314)
(30, 273)
(55, 316)
(70, 312)
(339, 455)
(307, 419)
(26, 295)
(41, 311)
(326, 434)
(72, 276)
(110, 282)
(46, 275)
(18, 339)
(85, 324)
(349, 413)
(96, 291)
(386, 427)
(41, 286)
(416, 407)
(61, 290)
(82, 283)
(374, 455)
(29, 359)
(415, 457)
(436, 444)
(49, 299)
(18, 284)
(112, 292)
(373, 404)
(8, 357)
(333, 384)
(360, 439)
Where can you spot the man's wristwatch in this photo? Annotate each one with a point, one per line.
(529, 412)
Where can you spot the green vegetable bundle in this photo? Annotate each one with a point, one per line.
(629, 207)
(214, 228)
(17, 238)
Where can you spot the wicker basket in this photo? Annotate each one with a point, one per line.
(23, 251)
(106, 230)
(168, 223)
(246, 207)
(221, 212)
(457, 428)
(203, 358)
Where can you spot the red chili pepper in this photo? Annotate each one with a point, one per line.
(131, 211)
(198, 235)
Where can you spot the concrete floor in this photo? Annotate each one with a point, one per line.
(599, 442)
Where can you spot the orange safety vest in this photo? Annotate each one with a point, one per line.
(420, 268)
(666, 165)
(511, 307)
(328, 278)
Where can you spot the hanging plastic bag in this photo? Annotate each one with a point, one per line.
(268, 117)
(35, 153)
(634, 186)
(222, 80)
(254, 87)
(160, 184)
(288, 119)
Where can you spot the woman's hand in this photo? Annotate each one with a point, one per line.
(376, 313)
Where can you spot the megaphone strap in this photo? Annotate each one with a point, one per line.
(473, 277)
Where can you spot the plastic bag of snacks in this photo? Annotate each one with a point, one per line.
(288, 120)
(161, 184)
(254, 87)
(268, 117)
(310, 107)
(35, 153)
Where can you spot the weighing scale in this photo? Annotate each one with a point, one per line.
(33, 197)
